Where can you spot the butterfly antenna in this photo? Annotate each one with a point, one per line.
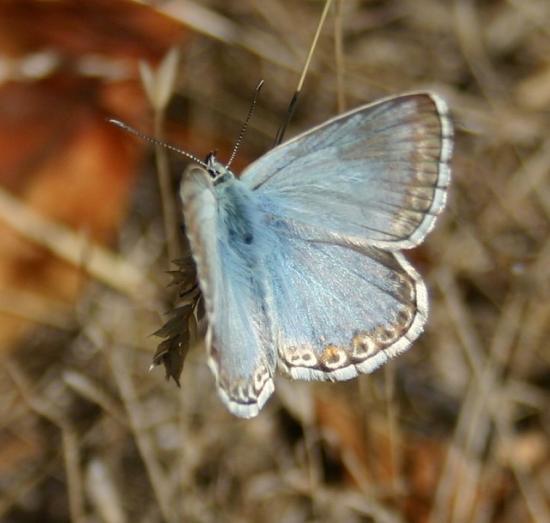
(245, 124)
(154, 141)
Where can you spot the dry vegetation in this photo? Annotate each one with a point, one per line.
(454, 431)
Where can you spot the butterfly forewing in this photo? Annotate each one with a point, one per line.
(377, 175)
(241, 351)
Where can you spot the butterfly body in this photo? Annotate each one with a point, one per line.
(298, 260)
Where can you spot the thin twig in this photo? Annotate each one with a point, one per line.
(339, 57)
(143, 438)
(393, 428)
(86, 388)
(292, 106)
(168, 199)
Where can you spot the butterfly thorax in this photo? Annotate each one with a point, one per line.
(238, 213)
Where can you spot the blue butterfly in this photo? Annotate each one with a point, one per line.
(299, 258)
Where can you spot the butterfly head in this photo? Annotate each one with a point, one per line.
(217, 171)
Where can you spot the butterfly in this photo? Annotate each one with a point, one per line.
(299, 259)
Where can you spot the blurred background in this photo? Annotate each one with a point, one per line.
(456, 430)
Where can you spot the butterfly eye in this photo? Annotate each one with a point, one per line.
(215, 169)
(210, 158)
(210, 162)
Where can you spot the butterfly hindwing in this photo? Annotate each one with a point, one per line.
(375, 176)
(340, 311)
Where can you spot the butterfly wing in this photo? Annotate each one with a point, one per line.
(375, 176)
(338, 310)
(311, 279)
(241, 352)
